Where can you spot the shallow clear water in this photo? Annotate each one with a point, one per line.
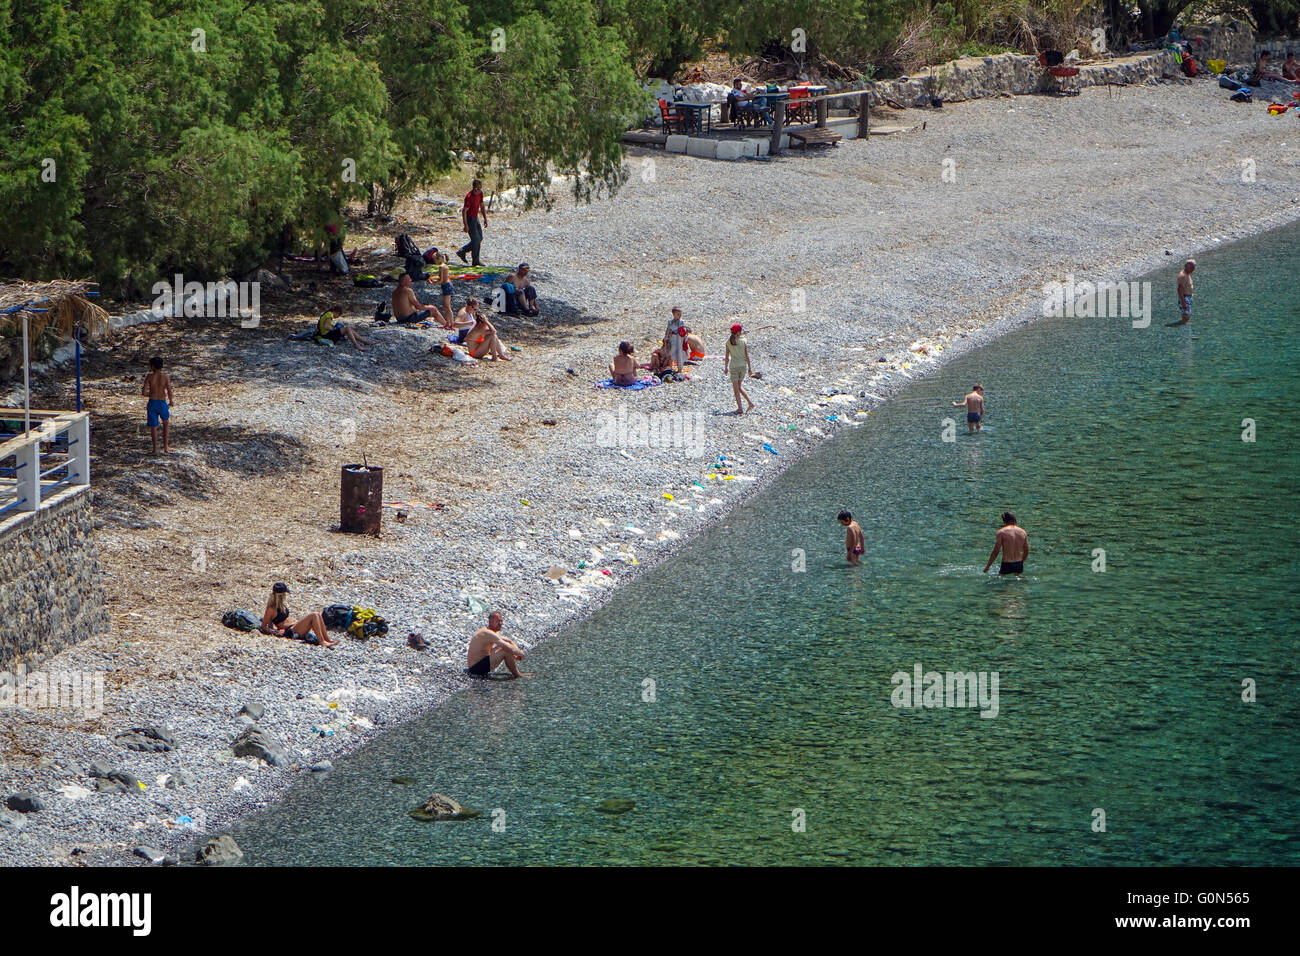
(1119, 690)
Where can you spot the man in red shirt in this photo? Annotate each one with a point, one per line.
(473, 219)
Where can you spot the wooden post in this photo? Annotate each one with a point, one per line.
(778, 122)
(822, 106)
(864, 120)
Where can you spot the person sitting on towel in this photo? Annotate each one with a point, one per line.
(1264, 69)
(465, 320)
(482, 340)
(623, 368)
(661, 361)
(694, 345)
(406, 307)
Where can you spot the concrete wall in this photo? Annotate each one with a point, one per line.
(51, 595)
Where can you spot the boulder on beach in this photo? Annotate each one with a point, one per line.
(254, 742)
(219, 851)
(25, 803)
(178, 780)
(11, 821)
(109, 780)
(147, 739)
(255, 711)
(439, 807)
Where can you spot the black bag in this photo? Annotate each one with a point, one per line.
(415, 266)
(240, 620)
(406, 246)
(337, 617)
(381, 313)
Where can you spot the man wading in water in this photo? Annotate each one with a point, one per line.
(1013, 542)
(974, 405)
(487, 649)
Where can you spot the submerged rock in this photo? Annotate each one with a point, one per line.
(403, 781)
(439, 807)
(219, 851)
(615, 805)
(254, 742)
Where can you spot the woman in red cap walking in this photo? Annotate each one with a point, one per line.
(735, 363)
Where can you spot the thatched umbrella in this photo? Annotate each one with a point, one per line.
(60, 305)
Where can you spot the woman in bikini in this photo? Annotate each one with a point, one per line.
(483, 341)
(278, 621)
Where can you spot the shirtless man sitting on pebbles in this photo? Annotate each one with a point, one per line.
(487, 649)
(406, 307)
(1013, 542)
(974, 405)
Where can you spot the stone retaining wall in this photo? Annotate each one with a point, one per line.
(51, 595)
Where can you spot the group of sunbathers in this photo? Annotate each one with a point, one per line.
(679, 347)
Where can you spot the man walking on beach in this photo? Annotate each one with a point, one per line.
(472, 220)
(487, 649)
(974, 405)
(1185, 291)
(158, 390)
(1013, 542)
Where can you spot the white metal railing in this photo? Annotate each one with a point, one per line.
(54, 454)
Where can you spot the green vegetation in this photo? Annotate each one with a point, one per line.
(142, 137)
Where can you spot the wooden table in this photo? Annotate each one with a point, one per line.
(701, 118)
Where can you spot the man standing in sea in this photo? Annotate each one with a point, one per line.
(1185, 291)
(1013, 542)
(974, 405)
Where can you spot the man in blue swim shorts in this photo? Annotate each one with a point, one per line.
(974, 405)
(158, 390)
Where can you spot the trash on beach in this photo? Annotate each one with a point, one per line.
(575, 533)
(74, 791)
(669, 497)
(634, 529)
(768, 447)
(626, 455)
(525, 502)
(242, 784)
(475, 605)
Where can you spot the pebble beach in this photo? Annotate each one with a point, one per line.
(853, 270)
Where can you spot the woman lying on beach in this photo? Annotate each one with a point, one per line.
(277, 620)
(483, 341)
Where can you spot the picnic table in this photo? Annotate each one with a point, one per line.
(696, 116)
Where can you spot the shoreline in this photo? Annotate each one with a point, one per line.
(437, 683)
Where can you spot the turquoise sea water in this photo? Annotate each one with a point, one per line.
(1119, 690)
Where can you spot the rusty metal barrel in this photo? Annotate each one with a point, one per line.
(361, 499)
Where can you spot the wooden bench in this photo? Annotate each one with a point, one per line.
(814, 137)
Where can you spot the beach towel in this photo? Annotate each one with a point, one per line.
(648, 382)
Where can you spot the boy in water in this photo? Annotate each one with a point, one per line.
(974, 405)
(1185, 289)
(158, 390)
(854, 542)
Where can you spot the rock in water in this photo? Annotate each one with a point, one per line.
(219, 851)
(147, 739)
(615, 805)
(438, 807)
(25, 803)
(323, 767)
(254, 742)
(403, 781)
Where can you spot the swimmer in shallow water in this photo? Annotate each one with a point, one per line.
(974, 405)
